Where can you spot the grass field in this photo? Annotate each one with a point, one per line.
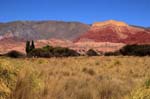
(75, 78)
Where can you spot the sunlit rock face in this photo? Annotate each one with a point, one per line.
(109, 22)
(116, 32)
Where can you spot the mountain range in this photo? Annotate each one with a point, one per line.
(30, 30)
(102, 36)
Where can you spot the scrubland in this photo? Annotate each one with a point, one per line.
(101, 77)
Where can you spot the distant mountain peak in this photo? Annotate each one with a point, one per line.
(116, 32)
(109, 22)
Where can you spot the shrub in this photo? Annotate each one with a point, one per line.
(91, 52)
(147, 83)
(64, 52)
(89, 71)
(116, 53)
(39, 52)
(117, 62)
(48, 48)
(14, 54)
(136, 50)
(131, 50)
(49, 51)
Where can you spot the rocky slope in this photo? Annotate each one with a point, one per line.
(116, 32)
(30, 30)
(101, 36)
(9, 44)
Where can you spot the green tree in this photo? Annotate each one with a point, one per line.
(91, 52)
(48, 48)
(32, 46)
(28, 47)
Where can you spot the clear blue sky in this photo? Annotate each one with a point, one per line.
(136, 12)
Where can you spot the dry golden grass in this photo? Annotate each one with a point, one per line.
(75, 78)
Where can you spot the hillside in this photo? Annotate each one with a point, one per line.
(116, 32)
(30, 30)
(7, 45)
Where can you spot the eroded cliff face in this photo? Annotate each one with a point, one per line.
(116, 32)
(109, 22)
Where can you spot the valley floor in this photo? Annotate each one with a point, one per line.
(119, 77)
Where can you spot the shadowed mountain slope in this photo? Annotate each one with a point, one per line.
(29, 30)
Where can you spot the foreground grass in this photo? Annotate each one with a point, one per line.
(75, 78)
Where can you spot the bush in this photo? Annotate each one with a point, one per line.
(135, 50)
(91, 52)
(49, 51)
(112, 53)
(64, 52)
(131, 50)
(89, 71)
(48, 48)
(39, 52)
(147, 83)
(14, 54)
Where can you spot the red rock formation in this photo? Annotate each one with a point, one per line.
(116, 32)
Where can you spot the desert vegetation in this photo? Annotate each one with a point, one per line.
(135, 50)
(131, 50)
(57, 74)
(114, 77)
(49, 51)
(91, 52)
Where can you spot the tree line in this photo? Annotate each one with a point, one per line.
(50, 51)
(132, 50)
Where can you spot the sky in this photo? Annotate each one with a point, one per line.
(135, 12)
